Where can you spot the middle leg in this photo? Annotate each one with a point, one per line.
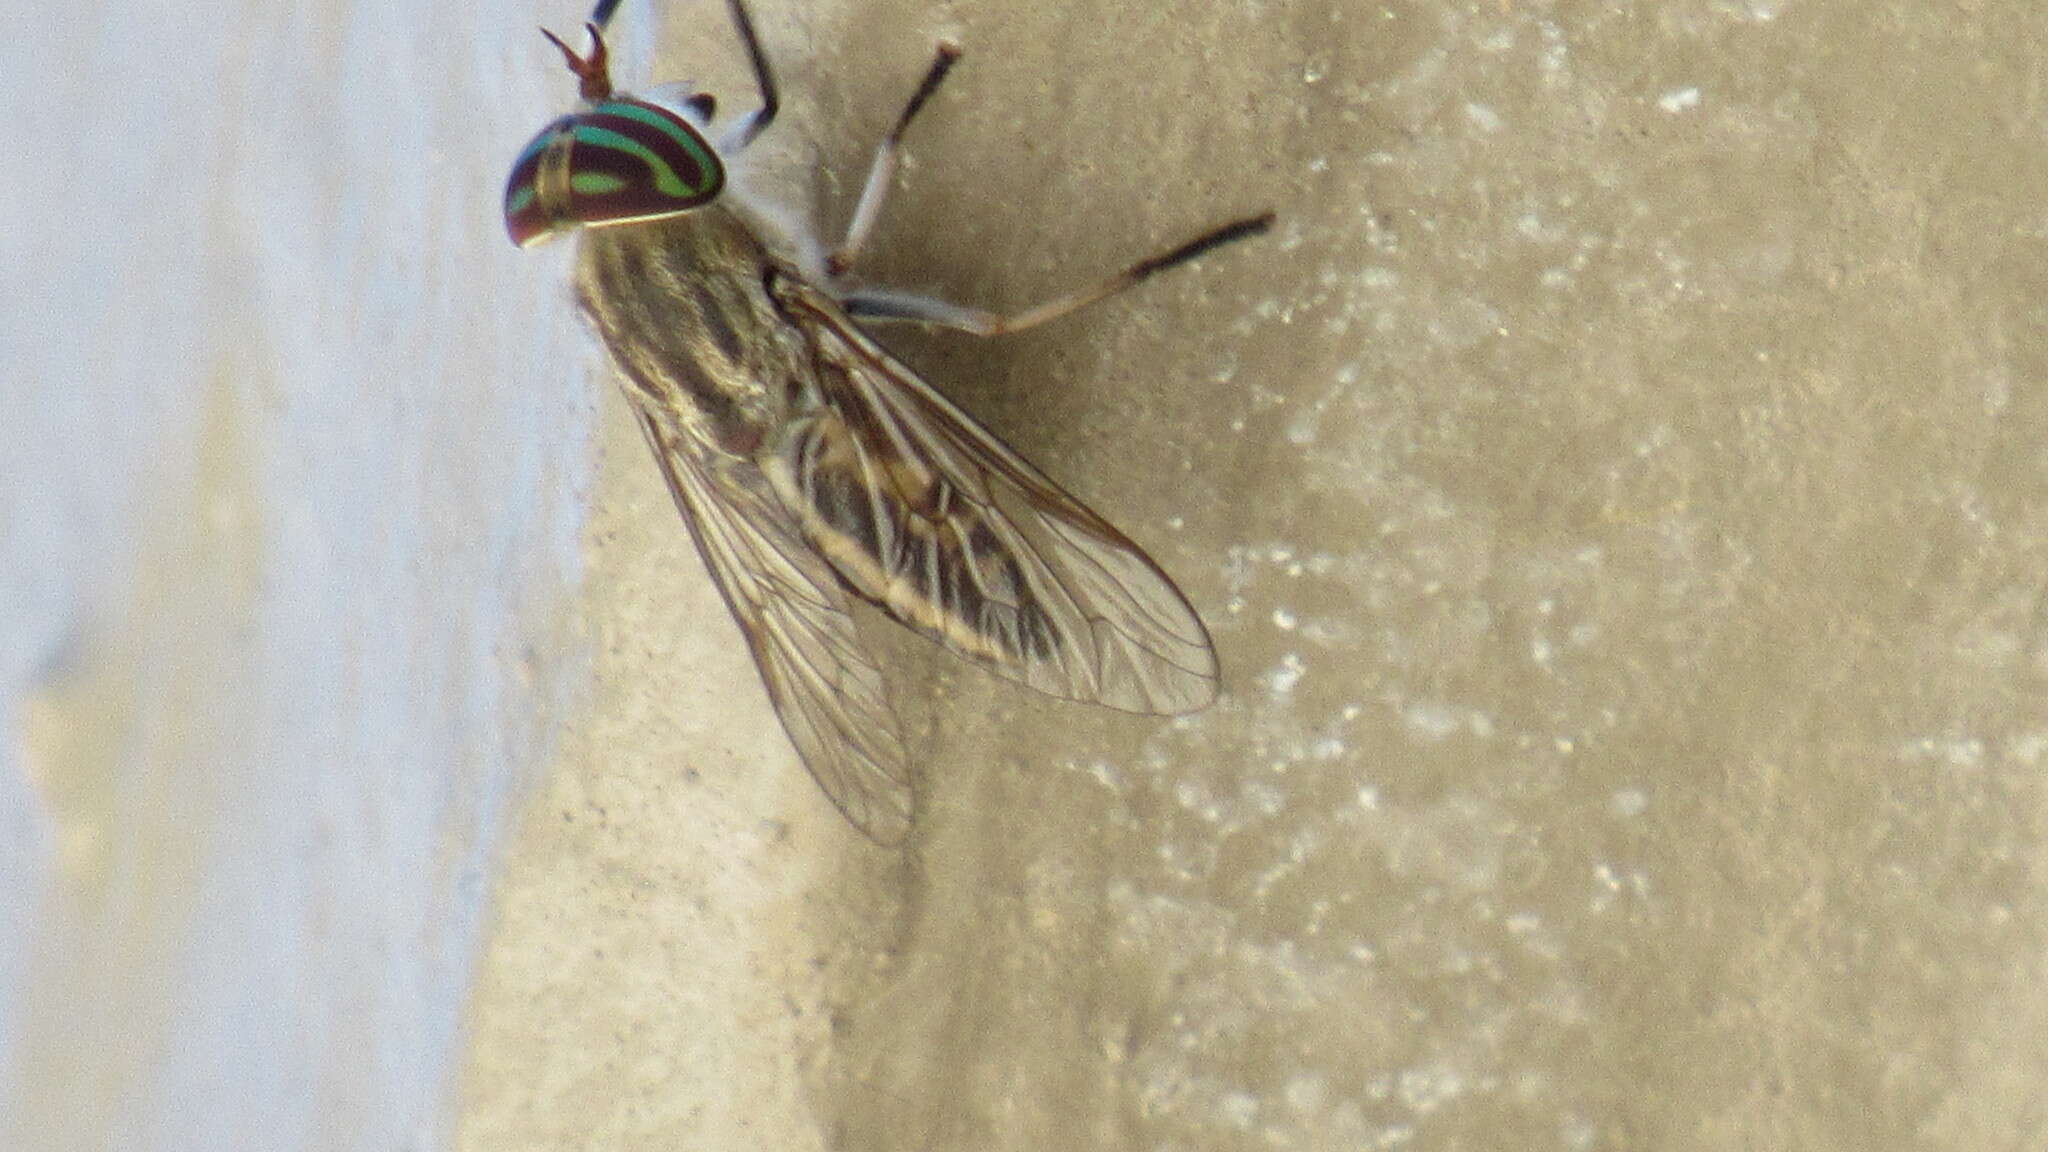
(882, 172)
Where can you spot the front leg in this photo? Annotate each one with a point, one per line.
(757, 121)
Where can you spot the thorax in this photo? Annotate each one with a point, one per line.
(683, 307)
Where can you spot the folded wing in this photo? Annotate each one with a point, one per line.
(929, 516)
(789, 604)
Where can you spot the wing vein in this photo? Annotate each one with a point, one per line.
(1016, 575)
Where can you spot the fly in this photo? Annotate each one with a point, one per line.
(814, 468)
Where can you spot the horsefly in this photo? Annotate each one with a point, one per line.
(811, 465)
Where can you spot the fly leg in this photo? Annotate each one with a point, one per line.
(887, 306)
(758, 121)
(742, 133)
(882, 172)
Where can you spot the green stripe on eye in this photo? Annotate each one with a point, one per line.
(664, 122)
(518, 199)
(659, 121)
(533, 147)
(594, 183)
(666, 179)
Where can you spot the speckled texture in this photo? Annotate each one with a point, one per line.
(1615, 487)
(1617, 496)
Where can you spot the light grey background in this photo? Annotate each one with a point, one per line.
(293, 455)
(1616, 490)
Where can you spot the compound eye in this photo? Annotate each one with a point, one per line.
(622, 160)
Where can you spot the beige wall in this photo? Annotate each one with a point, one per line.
(1616, 490)
(1618, 497)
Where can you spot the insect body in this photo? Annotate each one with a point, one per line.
(811, 466)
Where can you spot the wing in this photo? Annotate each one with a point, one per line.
(788, 602)
(923, 512)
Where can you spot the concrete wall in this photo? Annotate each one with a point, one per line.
(1615, 489)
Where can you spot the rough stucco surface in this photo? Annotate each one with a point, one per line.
(1618, 495)
(1616, 489)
